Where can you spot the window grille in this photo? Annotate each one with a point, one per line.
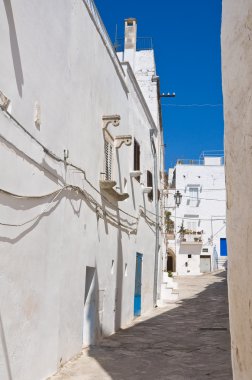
(108, 160)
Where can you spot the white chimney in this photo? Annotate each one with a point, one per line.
(130, 40)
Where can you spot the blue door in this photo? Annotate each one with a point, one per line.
(138, 285)
(223, 247)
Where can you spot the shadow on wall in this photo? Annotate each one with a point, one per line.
(6, 361)
(112, 205)
(22, 204)
(43, 167)
(195, 334)
(14, 47)
(119, 279)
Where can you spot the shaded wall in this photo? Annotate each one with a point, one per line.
(237, 85)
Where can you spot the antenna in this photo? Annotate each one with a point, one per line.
(116, 45)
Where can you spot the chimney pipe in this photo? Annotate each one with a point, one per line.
(130, 40)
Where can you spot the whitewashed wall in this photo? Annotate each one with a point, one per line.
(237, 84)
(52, 53)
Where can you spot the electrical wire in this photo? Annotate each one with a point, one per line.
(58, 159)
(102, 214)
(37, 216)
(99, 211)
(199, 199)
(203, 189)
(218, 231)
(198, 219)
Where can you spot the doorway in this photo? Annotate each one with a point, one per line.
(205, 264)
(89, 318)
(223, 247)
(138, 285)
(171, 261)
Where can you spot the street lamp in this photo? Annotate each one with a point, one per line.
(177, 197)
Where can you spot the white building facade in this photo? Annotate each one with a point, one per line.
(197, 236)
(81, 157)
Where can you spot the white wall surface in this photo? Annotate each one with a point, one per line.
(237, 84)
(208, 214)
(52, 53)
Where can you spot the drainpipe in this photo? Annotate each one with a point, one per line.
(154, 153)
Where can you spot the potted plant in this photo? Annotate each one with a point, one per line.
(182, 230)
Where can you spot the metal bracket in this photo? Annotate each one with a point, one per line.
(110, 119)
(4, 101)
(119, 140)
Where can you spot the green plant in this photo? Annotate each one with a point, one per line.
(182, 229)
(170, 274)
(169, 224)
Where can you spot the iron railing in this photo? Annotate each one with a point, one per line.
(143, 43)
(187, 161)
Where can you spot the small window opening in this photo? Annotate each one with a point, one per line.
(137, 157)
(150, 184)
(130, 23)
(189, 256)
(112, 266)
(125, 187)
(126, 270)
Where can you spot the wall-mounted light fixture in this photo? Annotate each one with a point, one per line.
(177, 198)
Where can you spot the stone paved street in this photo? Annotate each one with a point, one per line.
(188, 340)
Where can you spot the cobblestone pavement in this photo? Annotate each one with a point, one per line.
(188, 340)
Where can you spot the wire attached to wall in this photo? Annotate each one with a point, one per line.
(67, 163)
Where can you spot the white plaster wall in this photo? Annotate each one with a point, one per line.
(47, 59)
(212, 205)
(145, 71)
(237, 84)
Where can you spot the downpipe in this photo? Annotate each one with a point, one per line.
(154, 153)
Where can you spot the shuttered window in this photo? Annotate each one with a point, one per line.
(108, 160)
(194, 196)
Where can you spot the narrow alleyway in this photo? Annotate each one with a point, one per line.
(188, 340)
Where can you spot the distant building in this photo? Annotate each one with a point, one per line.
(196, 236)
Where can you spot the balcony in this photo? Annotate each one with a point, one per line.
(194, 238)
(107, 188)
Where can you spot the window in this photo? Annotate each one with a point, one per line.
(108, 160)
(150, 184)
(193, 196)
(192, 225)
(137, 157)
(189, 256)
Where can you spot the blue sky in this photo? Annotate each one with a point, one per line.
(186, 37)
